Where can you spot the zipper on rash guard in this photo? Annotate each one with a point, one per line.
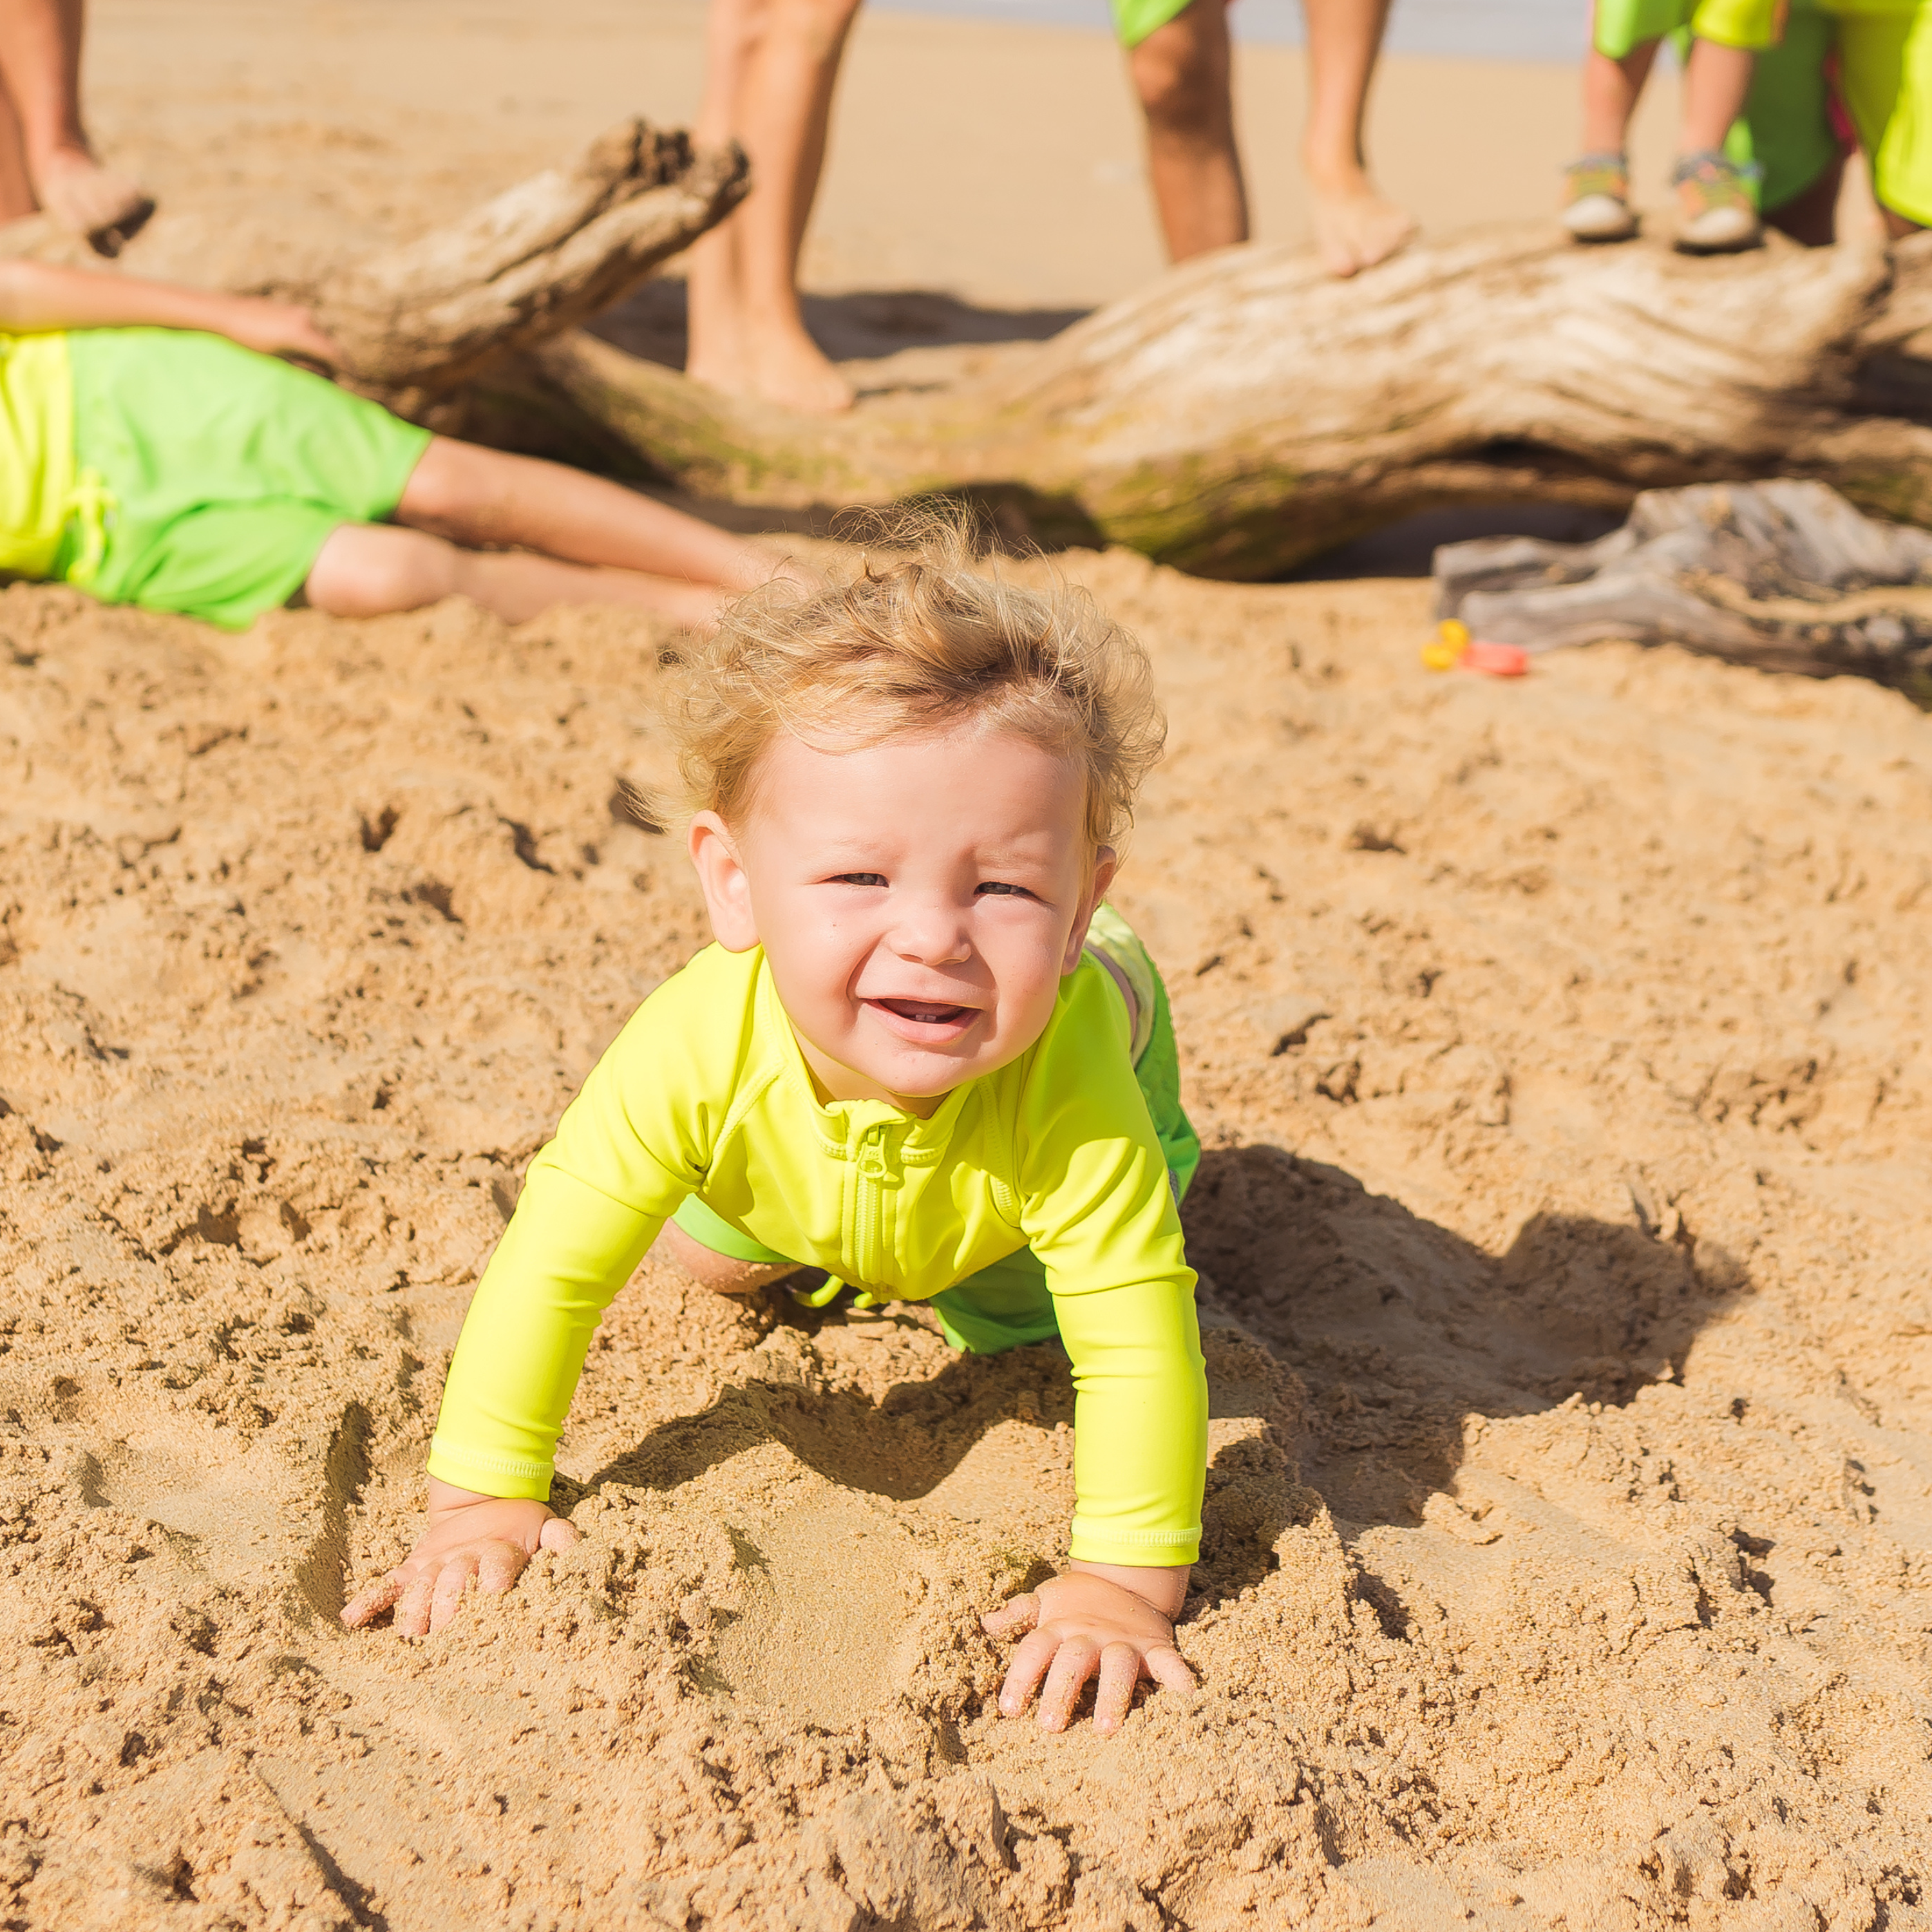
(874, 1171)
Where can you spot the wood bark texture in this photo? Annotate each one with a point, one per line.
(420, 320)
(1238, 416)
(1247, 413)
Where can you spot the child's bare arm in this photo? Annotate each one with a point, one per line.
(485, 1540)
(1107, 1618)
(38, 296)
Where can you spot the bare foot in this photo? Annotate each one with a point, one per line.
(778, 364)
(88, 199)
(1355, 228)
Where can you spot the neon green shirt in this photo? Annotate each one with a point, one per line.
(706, 1092)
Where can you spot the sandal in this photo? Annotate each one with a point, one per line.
(1598, 209)
(1716, 211)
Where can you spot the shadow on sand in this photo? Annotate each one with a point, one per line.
(1359, 1332)
(863, 327)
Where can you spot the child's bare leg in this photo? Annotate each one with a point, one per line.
(368, 570)
(39, 56)
(774, 65)
(17, 200)
(1716, 209)
(1611, 88)
(1355, 227)
(1182, 73)
(725, 1274)
(1716, 80)
(473, 495)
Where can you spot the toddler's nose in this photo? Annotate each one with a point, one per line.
(934, 935)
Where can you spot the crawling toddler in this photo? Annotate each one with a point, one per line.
(923, 1056)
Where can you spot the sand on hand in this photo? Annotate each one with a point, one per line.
(1559, 1047)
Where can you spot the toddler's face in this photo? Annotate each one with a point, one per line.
(918, 902)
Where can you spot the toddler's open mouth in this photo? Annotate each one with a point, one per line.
(926, 1023)
(925, 1012)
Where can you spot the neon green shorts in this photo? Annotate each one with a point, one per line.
(1884, 76)
(223, 471)
(1135, 19)
(1008, 1305)
(1622, 26)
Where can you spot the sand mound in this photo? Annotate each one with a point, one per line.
(1559, 1049)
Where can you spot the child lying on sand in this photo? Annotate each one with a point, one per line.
(153, 450)
(922, 1056)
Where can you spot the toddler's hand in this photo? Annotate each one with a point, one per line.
(1082, 1622)
(485, 1540)
(288, 330)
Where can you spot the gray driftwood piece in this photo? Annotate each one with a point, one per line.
(1786, 575)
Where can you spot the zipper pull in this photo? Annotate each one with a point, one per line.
(872, 1152)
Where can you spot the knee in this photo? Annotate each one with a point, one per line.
(367, 570)
(1183, 89)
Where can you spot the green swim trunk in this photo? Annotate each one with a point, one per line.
(1622, 26)
(1885, 79)
(1135, 19)
(217, 474)
(1008, 1305)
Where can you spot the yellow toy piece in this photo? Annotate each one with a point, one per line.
(1444, 650)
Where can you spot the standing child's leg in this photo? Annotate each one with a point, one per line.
(1183, 72)
(40, 55)
(1598, 209)
(1355, 226)
(1717, 209)
(773, 66)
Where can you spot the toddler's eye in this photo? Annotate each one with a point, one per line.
(859, 879)
(1001, 886)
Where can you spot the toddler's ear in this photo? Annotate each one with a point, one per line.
(721, 875)
(1106, 863)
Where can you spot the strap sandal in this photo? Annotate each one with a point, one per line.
(1597, 207)
(1717, 211)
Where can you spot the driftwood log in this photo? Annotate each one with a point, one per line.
(419, 321)
(1241, 414)
(1786, 575)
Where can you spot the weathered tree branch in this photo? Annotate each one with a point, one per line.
(1246, 412)
(421, 320)
(1241, 414)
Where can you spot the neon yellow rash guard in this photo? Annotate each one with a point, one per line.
(706, 1092)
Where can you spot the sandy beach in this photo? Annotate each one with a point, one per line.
(1559, 1047)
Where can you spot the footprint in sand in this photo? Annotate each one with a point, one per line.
(826, 1632)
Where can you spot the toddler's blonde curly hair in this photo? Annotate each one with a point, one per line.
(917, 644)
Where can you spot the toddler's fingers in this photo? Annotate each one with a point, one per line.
(373, 1601)
(411, 1617)
(1168, 1669)
(559, 1534)
(1024, 1673)
(498, 1565)
(452, 1580)
(1017, 1614)
(1120, 1672)
(1073, 1665)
